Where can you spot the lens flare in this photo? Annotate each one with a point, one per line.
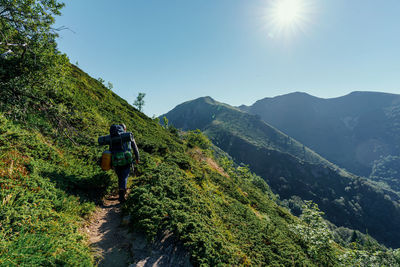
(288, 17)
(288, 12)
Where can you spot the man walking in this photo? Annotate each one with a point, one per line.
(122, 158)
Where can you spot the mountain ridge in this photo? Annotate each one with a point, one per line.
(353, 131)
(305, 94)
(269, 153)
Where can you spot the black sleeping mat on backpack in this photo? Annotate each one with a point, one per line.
(119, 137)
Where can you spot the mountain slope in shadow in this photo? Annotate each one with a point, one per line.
(292, 169)
(359, 131)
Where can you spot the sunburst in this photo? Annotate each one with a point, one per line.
(288, 17)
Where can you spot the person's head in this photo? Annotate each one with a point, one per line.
(123, 126)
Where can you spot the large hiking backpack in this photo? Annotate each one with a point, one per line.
(121, 152)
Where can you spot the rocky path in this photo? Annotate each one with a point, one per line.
(114, 245)
(109, 235)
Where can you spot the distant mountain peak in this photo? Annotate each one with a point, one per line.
(203, 99)
(295, 97)
(358, 93)
(364, 92)
(206, 98)
(299, 93)
(299, 97)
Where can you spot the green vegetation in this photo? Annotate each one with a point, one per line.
(387, 170)
(219, 215)
(228, 215)
(292, 170)
(51, 114)
(317, 237)
(139, 102)
(38, 219)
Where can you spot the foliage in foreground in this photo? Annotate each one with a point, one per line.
(317, 238)
(39, 222)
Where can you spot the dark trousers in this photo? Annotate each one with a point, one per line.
(123, 174)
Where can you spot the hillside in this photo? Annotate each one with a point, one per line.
(293, 170)
(359, 131)
(50, 178)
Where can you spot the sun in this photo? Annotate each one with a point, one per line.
(288, 12)
(287, 17)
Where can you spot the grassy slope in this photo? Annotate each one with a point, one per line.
(49, 175)
(38, 221)
(291, 171)
(49, 168)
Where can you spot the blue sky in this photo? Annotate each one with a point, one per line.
(177, 50)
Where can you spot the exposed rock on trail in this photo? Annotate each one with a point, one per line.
(164, 252)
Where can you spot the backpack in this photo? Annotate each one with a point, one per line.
(121, 151)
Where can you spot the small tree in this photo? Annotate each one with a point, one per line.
(314, 233)
(139, 102)
(165, 121)
(110, 85)
(101, 80)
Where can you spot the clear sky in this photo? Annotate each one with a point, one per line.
(236, 51)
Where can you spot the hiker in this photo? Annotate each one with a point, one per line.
(122, 158)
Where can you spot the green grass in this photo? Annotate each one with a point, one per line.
(39, 222)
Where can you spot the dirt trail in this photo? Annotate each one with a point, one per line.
(110, 239)
(114, 245)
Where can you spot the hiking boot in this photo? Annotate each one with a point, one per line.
(121, 195)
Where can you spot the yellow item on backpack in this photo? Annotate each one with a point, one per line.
(106, 160)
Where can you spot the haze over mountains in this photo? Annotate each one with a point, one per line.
(359, 131)
(292, 169)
